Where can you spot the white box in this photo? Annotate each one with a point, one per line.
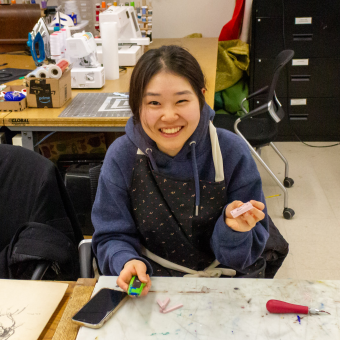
(17, 139)
(92, 78)
(128, 55)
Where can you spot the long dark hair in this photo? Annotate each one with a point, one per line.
(174, 59)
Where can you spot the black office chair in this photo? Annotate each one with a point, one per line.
(38, 225)
(86, 254)
(261, 131)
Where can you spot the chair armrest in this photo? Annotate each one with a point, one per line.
(86, 258)
(261, 109)
(256, 93)
(40, 270)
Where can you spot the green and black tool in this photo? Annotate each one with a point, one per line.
(135, 286)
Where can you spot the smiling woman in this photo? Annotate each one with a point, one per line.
(168, 186)
(168, 116)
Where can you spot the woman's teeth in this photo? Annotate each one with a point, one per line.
(171, 131)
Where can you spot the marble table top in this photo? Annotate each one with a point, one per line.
(222, 309)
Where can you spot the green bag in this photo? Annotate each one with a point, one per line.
(228, 101)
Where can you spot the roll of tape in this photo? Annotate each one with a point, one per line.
(40, 72)
(55, 71)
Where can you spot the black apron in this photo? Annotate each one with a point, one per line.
(164, 214)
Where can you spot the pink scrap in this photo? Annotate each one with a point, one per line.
(162, 306)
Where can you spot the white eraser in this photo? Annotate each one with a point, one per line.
(241, 210)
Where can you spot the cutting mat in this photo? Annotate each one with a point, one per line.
(225, 309)
(98, 105)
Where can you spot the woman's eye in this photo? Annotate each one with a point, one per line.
(154, 103)
(182, 101)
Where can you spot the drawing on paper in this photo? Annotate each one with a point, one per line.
(8, 323)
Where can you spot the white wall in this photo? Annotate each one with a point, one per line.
(178, 18)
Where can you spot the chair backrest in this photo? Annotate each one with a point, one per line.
(280, 61)
(32, 191)
(94, 177)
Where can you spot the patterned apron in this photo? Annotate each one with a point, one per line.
(164, 213)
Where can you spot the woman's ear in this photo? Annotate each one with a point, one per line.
(203, 91)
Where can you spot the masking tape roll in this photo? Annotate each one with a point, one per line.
(63, 64)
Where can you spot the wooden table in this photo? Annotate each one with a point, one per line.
(203, 49)
(60, 326)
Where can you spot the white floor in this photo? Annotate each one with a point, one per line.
(314, 232)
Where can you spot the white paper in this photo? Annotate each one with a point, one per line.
(303, 21)
(298, 101)
(27, 306)
(300, 62)
(109, 34)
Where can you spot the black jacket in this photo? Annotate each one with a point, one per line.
(37, 220)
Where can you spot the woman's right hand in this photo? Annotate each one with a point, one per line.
(134, 268)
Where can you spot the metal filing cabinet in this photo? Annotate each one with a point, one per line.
(309, 88)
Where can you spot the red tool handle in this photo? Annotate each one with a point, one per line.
(277, 306)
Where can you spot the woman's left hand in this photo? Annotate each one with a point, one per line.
(246, 221)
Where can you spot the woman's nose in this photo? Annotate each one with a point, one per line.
(169, 114)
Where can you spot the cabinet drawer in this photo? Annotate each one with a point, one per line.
(268, 8)
(314, 37)
(268, 37)
(303, 8)
(273, 8)
(320, 78)
(263, 75)
(319, 118)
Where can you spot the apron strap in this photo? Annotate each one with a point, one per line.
(216, 153)
(210, 271)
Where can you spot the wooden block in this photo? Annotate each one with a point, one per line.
(67, 330)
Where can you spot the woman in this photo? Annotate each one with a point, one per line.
(167, 187)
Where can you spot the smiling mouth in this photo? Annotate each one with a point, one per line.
(171, 131)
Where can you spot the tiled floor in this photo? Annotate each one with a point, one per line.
(314, 232)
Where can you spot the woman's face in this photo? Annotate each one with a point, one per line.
(170, 111)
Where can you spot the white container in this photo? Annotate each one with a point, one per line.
(70, 7)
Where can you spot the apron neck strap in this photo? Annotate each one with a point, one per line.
(216, 154)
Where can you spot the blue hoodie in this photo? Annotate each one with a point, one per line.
(115, 240)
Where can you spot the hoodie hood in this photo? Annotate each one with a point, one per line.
(143, 142)
(197, 143)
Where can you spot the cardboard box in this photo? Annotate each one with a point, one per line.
(48, 92)
(6, 105)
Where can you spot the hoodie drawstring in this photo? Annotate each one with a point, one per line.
(194, 169)
(197, 180)
(153, 163)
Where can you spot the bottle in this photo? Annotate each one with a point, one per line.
(138, 8)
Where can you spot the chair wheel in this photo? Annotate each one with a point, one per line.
(288, 213)
(288, 182)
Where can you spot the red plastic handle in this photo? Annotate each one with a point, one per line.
(277, 306)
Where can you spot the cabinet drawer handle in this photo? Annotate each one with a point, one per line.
(299, 117)
(300, 78)
(302, 37)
